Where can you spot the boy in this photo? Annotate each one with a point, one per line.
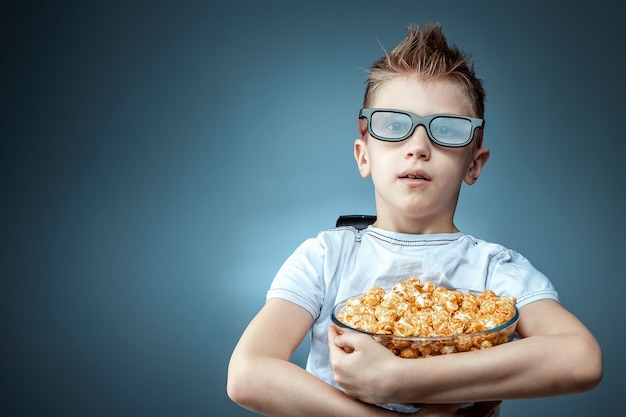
(421, 136)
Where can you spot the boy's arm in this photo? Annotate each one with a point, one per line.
(262, 379)
(557, 355)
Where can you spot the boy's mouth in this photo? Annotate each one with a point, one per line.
(415, 175)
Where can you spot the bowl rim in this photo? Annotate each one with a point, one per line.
(340, 324)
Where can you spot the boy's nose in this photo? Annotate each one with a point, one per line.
(418, 145)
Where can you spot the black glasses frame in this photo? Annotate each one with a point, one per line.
(421, 121)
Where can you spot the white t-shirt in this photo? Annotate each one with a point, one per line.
(343, 262)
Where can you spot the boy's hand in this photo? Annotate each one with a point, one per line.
(360, 365)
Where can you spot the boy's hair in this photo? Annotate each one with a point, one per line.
(426, 53)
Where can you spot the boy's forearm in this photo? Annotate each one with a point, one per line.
(262, 379)
(527, 368)
(274, 387)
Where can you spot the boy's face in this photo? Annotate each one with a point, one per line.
(416, 181)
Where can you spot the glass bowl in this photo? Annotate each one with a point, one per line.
(420, 347)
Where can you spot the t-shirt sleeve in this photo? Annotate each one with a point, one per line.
(513, 274)
(300, 278)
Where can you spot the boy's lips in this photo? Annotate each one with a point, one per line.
(414, 174)
(414, 178)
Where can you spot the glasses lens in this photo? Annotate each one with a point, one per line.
(451, 130)
(390, 125)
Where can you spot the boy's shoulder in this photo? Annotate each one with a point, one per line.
(344, 234)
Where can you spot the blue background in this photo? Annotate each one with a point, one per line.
(160, 160)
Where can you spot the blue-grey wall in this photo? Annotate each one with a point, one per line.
(160, 160)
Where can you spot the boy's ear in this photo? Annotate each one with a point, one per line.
(361, 157)
(478, 137)
(479, 159)
(362, 127)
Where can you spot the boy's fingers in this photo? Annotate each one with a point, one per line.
(335, 337)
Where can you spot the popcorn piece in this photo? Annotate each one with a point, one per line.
(415, 309)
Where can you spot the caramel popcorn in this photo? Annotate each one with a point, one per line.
(420, 309)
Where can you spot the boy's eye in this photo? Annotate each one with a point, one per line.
(396, 126)
(391, 125)
(442, 130)
(449, 128)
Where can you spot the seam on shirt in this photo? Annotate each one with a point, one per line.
(538, 295)
(425, 242)
(294, 298)
(357, 233)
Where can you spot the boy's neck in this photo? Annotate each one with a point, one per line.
(414, 227)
